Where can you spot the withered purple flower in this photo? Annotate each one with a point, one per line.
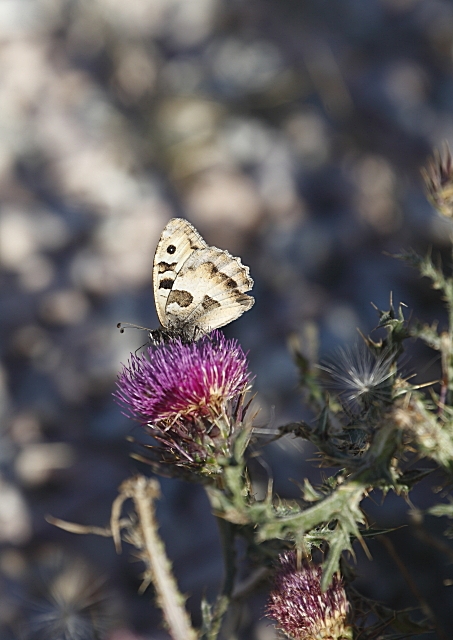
(189, 396)
(438, 176)
(300, 608)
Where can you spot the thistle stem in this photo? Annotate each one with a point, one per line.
(227, 536)
(143, 492)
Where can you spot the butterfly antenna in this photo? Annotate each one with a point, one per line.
(128, 325)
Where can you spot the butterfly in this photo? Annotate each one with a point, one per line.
(197, 288)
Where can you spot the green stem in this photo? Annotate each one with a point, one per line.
(449, 355)
(227, 536)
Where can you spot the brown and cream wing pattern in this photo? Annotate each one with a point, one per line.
(177, 243)
(196, 285)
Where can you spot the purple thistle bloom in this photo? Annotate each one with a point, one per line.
(187, 395)
(195, 379)
(300, 608)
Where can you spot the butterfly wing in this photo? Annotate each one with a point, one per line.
(209, 290)
(179, 240)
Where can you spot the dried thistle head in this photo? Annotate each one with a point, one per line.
(438, 177)
(361, 376)
(67, 601)
(189, 397)
(301, 609)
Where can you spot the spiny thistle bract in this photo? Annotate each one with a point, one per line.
(301, 609)
(189, 396)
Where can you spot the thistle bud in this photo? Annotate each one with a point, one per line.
(301, 609)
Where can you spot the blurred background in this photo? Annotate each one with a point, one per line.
(289, 132)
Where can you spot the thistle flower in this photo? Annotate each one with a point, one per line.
(300, 608)
(362, 376)
(438, 176)
(188, 395)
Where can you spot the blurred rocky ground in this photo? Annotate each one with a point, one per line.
(290, 133)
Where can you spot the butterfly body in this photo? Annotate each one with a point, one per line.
(197, 288)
